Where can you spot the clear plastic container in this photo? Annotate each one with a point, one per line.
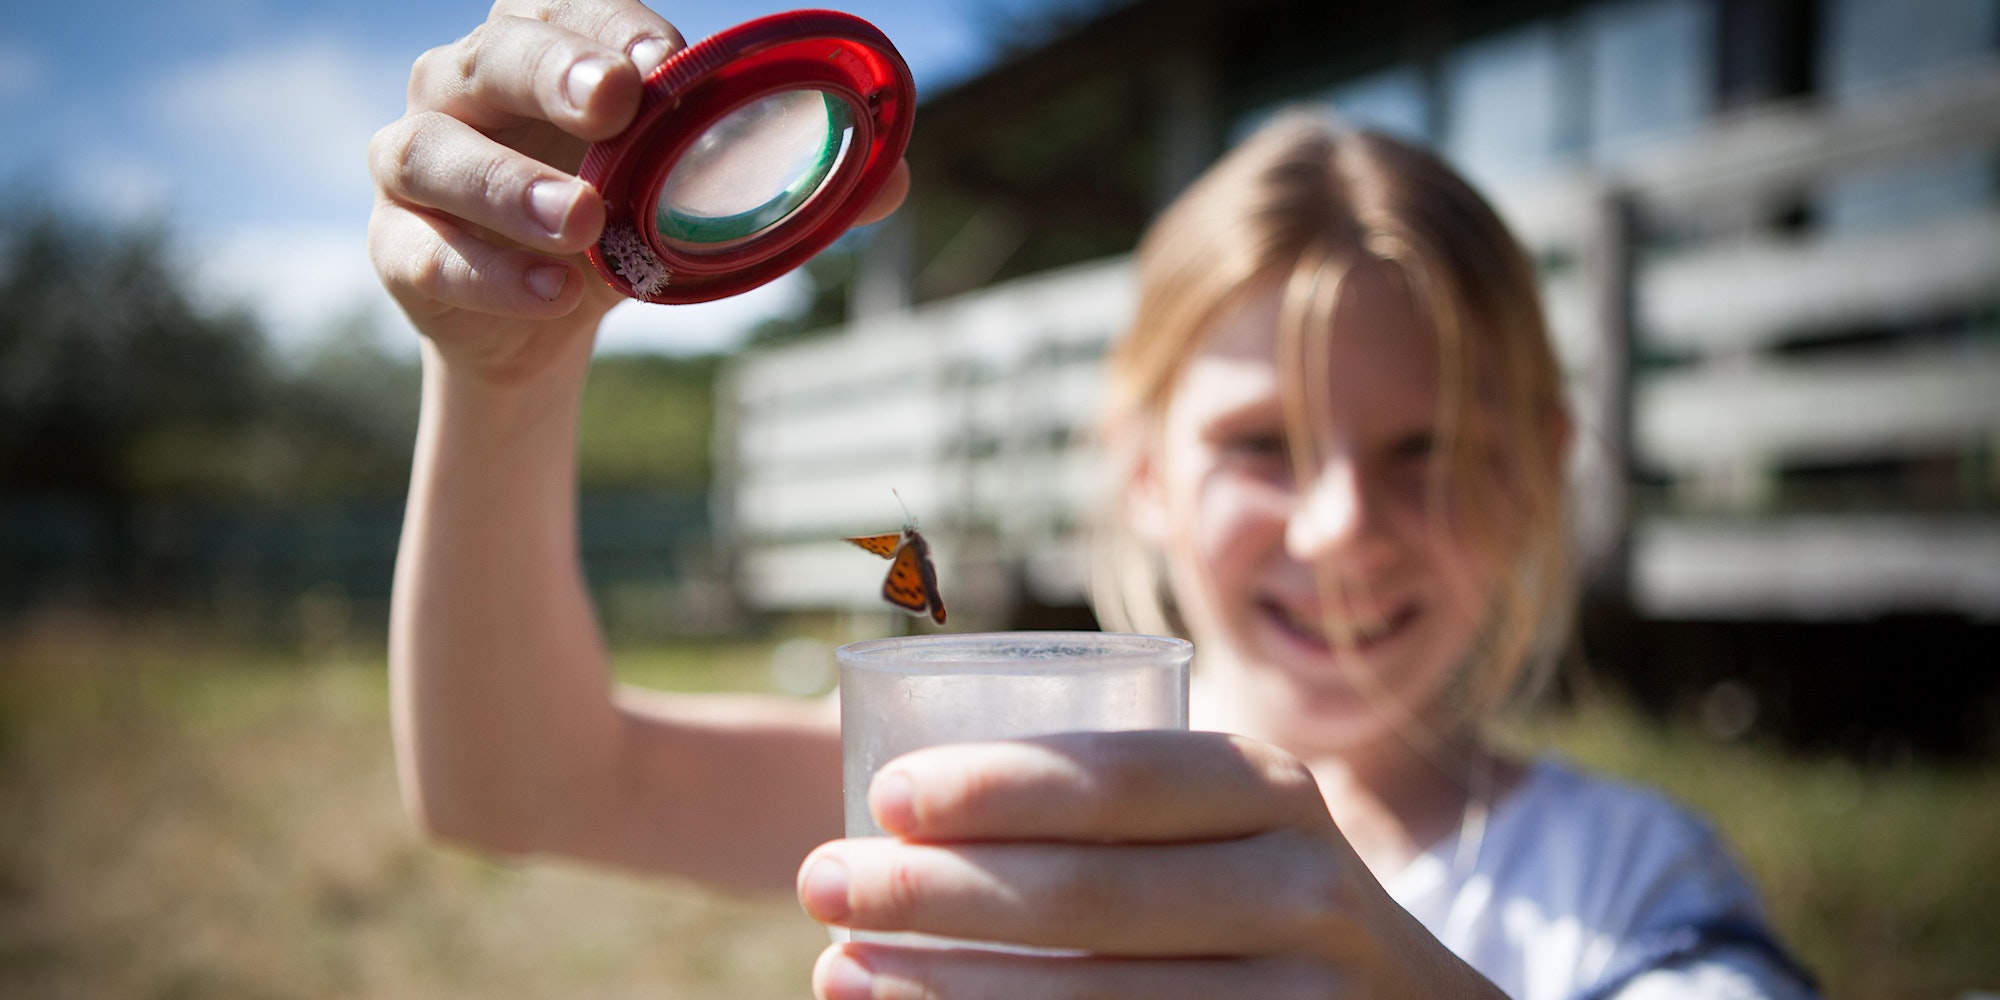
(898, 695)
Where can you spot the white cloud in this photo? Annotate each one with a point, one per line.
(302, 111)
(704, 327)
(298, 281)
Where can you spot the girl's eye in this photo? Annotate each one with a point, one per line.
(1414, 446)
(1256, 445)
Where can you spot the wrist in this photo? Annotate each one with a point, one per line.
(1432, 970)
(485, 353)
(551, 374)
(506, 433)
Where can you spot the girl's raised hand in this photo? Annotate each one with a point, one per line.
(1193, 865)
(480, 223)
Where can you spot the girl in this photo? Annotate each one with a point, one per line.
(1340, 434)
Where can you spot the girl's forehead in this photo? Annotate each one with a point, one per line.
(1246, 329)
(1378, 348)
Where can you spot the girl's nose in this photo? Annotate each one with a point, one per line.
(1333, 516)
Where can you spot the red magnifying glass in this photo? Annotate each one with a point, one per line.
(752, 151)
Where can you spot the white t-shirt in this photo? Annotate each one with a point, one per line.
(1578, 880)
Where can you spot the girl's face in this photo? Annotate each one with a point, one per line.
(1248, 544)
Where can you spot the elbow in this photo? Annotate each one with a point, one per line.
(469, 826)
(467, 808)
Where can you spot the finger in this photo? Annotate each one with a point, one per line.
(621, 24)
(857, 971)
(1148, 785)
(887, 200)
(430, 264)
(515, 69)
(439, 162)
(1274, 893)
(625, 26)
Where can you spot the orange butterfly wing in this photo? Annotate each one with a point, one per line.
(883, 545)
(912, 581)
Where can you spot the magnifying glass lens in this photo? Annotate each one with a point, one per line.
(754, 167)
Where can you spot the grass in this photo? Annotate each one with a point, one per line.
(1881, 879)
(182, 821)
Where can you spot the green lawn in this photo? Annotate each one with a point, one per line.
(184, 822)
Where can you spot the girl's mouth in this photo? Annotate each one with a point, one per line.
(1328, 632)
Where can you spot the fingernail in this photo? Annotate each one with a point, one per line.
(823, 891)
(550, 201)
(892, 799)
(843, 978)
(584, 77)
(547, 280)
(648, 54)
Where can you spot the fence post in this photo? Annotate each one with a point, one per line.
(1604, 431)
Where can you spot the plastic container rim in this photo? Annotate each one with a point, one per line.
(1109, 651)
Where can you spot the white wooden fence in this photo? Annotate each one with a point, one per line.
(976, 410)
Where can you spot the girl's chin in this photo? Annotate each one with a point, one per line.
(1310, 718)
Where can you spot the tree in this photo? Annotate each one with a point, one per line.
(101, 347)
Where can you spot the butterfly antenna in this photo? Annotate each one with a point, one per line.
(907, 516)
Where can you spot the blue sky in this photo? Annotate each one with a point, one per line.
(242, 125)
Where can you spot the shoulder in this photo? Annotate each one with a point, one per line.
(1668, 913)
(1618, 859)
(1579, 880)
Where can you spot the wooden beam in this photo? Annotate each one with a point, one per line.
(1862, 405)
(1770, 152)
(1742, 295)
(1817, 568)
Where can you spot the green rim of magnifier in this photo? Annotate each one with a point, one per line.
(689, 228)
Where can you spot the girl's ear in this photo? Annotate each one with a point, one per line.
(1145, 497)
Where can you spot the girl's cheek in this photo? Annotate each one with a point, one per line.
(1233, 519)
(1437, 530)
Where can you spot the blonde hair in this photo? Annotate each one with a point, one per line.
(1298, 206)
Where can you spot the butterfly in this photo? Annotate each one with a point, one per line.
(912, 581)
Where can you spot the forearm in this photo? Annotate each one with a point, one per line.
(499, 686)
